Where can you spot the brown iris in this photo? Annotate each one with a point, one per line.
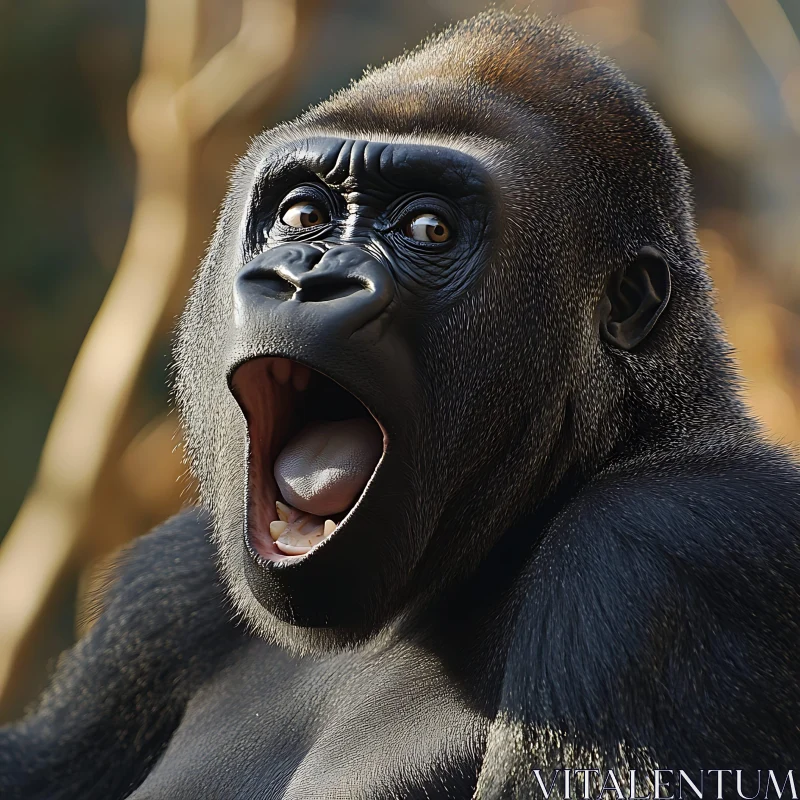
(304, 215)
(427, 228)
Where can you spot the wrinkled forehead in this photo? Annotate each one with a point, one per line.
(348, 163)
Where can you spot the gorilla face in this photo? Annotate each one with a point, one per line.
(349, 245)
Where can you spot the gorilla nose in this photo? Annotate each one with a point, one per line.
(345, 280)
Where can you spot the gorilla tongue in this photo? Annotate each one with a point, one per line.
(320, 473)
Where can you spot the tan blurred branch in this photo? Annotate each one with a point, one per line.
(172, 112)
(248, 61)
(771, 33)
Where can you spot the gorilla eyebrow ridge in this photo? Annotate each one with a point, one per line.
(407, 164)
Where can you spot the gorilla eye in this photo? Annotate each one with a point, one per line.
(427, 228)
(304, 215)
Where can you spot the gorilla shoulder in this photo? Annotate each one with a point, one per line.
(676, 574)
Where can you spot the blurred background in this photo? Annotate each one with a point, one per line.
(120, 123)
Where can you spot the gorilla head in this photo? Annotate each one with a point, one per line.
(424, 313)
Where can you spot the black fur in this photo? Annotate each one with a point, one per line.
(118, 696)
(579, 551)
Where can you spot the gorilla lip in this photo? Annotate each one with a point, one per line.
(289, 408)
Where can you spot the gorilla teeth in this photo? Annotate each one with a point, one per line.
(277, 528)
(296, 532)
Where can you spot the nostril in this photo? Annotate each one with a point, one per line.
(321, 291)
(277, 272)
(302, 274)
(277, 286)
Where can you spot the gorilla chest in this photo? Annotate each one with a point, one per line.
(385, 725)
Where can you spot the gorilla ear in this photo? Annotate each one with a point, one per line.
(635, 298)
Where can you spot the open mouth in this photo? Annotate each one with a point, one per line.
(313, 448)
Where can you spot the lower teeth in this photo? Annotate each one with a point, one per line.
(296, 532)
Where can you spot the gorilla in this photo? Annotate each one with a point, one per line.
(482, 506)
